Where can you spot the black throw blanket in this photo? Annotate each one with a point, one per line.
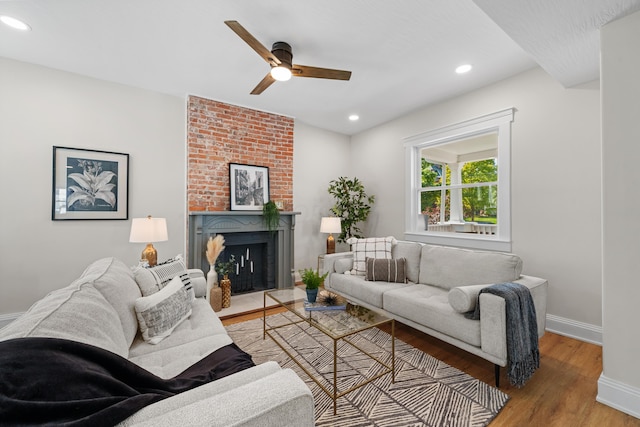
(522, 330)
(48, 381)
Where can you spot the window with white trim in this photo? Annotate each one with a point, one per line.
(458, 184)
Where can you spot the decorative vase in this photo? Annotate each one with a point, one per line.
(225, 284)
(215, 299)
(212, 281)
(312, 294)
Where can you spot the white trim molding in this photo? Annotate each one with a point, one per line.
(619, 396)
(5, 319)
(574, 329)
(498, 122)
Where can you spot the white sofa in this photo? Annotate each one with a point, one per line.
(98, 309)
(442, 284)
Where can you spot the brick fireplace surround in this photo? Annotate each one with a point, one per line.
(220, 134)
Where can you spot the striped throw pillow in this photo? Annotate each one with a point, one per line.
(386, 270)
(153, 279)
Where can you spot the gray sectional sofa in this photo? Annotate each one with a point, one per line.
(98, 309)
(442, 284)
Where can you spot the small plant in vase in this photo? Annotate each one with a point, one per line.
(224, 268)
(271, 215)
(312, 280)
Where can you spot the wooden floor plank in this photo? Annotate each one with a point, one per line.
(561, 393)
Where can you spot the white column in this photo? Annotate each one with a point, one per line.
(456, 215)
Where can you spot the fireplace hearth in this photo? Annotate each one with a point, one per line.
(264, 259)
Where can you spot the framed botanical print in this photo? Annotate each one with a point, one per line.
(249, 187)
(89, 184)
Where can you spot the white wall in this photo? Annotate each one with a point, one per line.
(555, 183)
(40, 108)
(619, 385)
(319, 156)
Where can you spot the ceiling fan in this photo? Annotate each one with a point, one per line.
(280, 58)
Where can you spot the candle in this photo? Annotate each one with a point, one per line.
(247, 253)
(252, 266)
(242, 261)
(237, 269)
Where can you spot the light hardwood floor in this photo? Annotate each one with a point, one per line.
(561, 393)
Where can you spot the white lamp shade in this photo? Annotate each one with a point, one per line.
(330, 224)
(148, 230)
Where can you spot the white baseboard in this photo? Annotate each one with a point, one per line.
(619, 396)
(574, 329)
(5, 319)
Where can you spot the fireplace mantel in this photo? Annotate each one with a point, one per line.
(203, 225)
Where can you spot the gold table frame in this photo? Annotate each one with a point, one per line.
(363, 318)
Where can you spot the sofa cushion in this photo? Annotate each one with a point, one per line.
(448, 267)
(411, 252)
(160, 313)
(115, 282)
(386, 270)
(351, 285)
(465, 298)
(429, 306)
(372, 247)
(78, 312)
(342, 265)
(203, 322)
(152, 279)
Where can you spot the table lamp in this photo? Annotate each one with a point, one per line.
(330, 224)
(149, 230)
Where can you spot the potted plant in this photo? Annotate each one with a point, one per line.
(312, 280)
(352, 205)
(271, 215)
(226, 267)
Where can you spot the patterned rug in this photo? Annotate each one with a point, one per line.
(427, 392)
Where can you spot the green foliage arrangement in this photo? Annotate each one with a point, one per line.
(226, 267)
(311, 278)
(352, 205)
(271, 215)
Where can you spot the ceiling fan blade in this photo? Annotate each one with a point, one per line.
(264, 83)
(253, 42)
(320, 73)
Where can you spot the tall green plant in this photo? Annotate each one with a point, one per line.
(352, 205)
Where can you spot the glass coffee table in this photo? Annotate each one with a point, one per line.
(338, 325)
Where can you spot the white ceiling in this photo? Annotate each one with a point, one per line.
(402, 53)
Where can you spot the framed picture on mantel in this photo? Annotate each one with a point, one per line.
(249, 187)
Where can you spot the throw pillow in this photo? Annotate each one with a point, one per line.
(371, 247)
(386, 270)
(153, 279)
(160, 313)
(464, 298)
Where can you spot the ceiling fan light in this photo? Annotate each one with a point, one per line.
(281, 74)
(464, 69)
(14, 23)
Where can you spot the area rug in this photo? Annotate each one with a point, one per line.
(427, 392)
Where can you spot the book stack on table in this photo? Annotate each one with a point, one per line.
(319, 306)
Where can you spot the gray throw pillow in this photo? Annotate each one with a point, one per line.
(160, 313)
(386, 270)
(151, 280)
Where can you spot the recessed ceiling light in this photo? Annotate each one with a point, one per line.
(463, 69)
(14, 23)
(354, 117)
